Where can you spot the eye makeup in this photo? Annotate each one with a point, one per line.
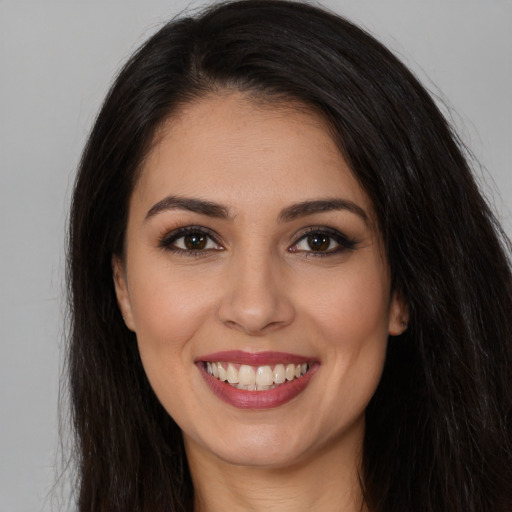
(190, 241)
(322, 241)
(315, 241)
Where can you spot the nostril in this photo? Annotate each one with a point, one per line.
(255, 302)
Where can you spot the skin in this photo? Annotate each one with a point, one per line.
(259, 286)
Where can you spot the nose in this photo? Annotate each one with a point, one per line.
(256, 300)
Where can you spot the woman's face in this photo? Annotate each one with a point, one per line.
(252, 254)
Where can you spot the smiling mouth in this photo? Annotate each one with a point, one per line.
(256, 378)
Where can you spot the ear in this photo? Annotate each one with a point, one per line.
(121, 288)
(398, 315)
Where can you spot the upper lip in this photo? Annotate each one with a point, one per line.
(255, 358)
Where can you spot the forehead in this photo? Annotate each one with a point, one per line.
(234, 149)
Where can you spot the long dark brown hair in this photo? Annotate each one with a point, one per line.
(438, 434)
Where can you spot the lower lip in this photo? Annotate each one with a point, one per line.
(268, 399)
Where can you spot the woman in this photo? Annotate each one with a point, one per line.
(286, 288)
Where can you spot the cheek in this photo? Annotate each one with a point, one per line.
(352, 321)
(166, 320)
(163, 296)
(356, 337)
(350, 310)
(167, 313)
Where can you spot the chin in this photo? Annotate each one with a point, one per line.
(259, 447)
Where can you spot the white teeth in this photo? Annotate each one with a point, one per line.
(247, 375)
(232, 374)
(279, 374)
(264, 376)
(252, 378)
(222, 373)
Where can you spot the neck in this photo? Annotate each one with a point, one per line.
(325, 481)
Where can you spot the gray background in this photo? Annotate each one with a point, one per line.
(57, 59)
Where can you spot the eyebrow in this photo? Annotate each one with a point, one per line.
(288, 214)
(318, 206)
(192, 205)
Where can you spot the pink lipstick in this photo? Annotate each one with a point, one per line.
(267, 379)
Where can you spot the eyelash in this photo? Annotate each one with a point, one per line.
(343, 242)
(169, 240)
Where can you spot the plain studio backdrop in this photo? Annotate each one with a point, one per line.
(57, 59)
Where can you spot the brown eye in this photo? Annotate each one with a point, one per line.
(319, 242)
(192, 241)
(323, 242)
(195, 241)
